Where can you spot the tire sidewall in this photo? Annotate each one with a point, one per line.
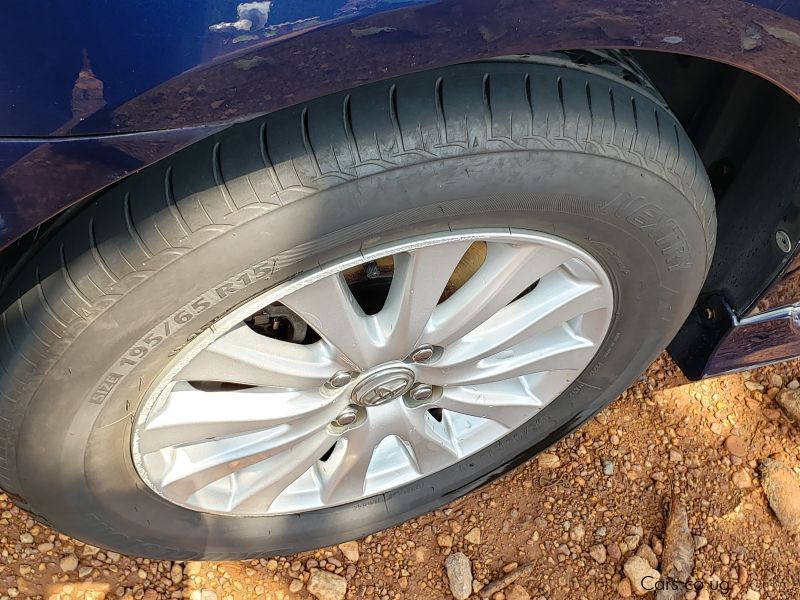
(74, 454)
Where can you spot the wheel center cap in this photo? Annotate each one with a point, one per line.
(383, 386)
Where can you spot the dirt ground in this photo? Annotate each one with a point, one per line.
(569, 518)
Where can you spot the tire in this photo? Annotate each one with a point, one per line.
(551, 148)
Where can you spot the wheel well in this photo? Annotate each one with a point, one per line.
(746, 130)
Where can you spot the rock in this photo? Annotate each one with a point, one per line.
(68, 563)
(84, 572)
(473, 535)
(736, 446)
(641, 576)
(577, 533)
(350, 550)
(741, 479)
(608, 468)
(677, 558)
(776, 380)
(613, 551)
(675, 456)
(789, 401)
(598, 553)
(295, 586)
(646, 552)
(517, 592)
(783, 492)
(624, 589)
(548, 460)
(445, 540)
(752, 595)
(176, 573)
(753, 386)
(699, 541)
(326, 586)
(26, 538)
(459, 574)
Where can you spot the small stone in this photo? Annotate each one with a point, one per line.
(624, 588)
(598, 553)
(640, 575)
(608, 468)
(699, 541)
(459, 574)
(473, 536)
(793, 384)
(776, 380)
(517, 592)
(716, 428)
(84, 572)
(646, 552)
(741, 479)
(782, 489)
(445, 540)
(350, 551)
(176, 573)
(675, 456)
(753, 386)
(295, 586)
(577, 533)
(45, 548)
(324, 585)
(736, 446)
(613, 551)
(789, 401)
(752, 595)
(68, 563)
(26, 538)
(548, 460)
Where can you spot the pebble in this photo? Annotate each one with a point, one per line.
(350, 551)
(26, 538)
(636, 570)
(646, 552)
(736, 446)
(741, 479)
(700, 541)
(324, 585)
(295, 586)
(459, 574)
(473, 535)
(445, 540)
(789, 401)
(68, 563)
(598, 553)
(782, 489)
(517, 592)
(548, 460)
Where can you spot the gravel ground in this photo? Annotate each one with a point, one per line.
(565, 525)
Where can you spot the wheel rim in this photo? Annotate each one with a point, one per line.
(477, 332)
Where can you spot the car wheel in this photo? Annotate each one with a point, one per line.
(331, 319)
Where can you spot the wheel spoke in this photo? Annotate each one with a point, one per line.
(507, 402)
(258, 486)
(558, 349)
(420, 277)
(431, 449)
(246, 357)
(344, 475)
(195, 466)
(189, 414)
(330, 308)
(504, 275)
(557, 298)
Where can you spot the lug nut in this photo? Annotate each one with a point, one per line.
(340, 379)
(346, 417)
(420, 392)
(422, 354)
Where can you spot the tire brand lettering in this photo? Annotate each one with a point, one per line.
(660, 227)
(187, 313)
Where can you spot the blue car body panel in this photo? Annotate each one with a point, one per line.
(93, 91)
